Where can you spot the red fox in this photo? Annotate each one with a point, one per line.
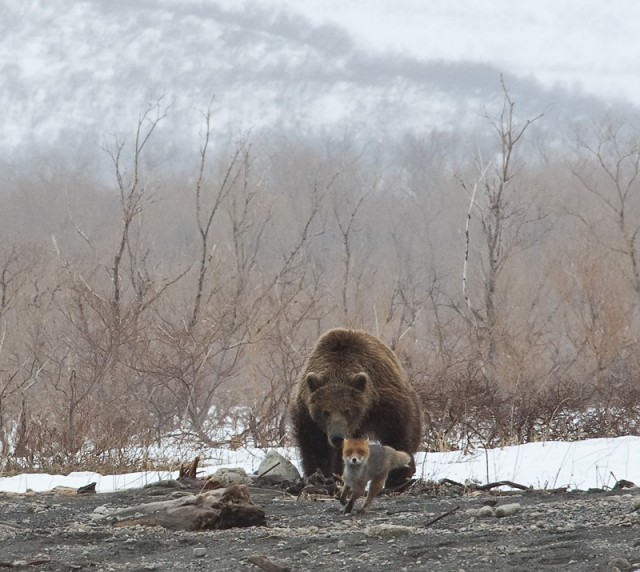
(363, 463)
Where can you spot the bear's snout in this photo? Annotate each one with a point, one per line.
(336, 441)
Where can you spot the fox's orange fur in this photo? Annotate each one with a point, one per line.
(364, 462)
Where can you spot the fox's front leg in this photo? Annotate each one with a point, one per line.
(356, 493)
(345, 492)
(374, 488)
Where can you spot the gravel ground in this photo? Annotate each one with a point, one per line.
(530, 531)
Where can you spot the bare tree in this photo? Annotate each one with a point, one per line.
(292, 297)
(208, 207)
(106, 304)
(608, 166)
(503, 211)
(190, 356)
(345, 216)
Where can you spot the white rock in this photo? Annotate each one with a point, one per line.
(508, 509)
(274, 464)
(485, 512)
(387, 530)
(231, 476)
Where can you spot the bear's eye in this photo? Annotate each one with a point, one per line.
(325, 414)
(347, 412)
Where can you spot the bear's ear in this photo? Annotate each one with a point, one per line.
(359, 381)
(313, 381)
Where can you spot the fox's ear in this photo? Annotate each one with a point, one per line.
(313, 381)
(359, 381)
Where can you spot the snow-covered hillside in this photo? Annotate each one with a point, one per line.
(583, 45)
(71, 72)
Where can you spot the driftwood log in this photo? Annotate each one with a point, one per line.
(223, 508)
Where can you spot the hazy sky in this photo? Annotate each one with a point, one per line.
(589, 45)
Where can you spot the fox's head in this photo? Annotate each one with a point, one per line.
(355, 451)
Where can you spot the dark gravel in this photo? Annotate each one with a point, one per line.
(539, 531)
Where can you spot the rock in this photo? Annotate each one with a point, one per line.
(166, 484)
(636, 503)
(62, 491)
(568, 527)
(508, 509)
(388, 530)
(199, 552)
(274, 464)
(230, 476)
(485, 512)
(618, 565)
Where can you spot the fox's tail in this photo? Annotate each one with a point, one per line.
(400, 459)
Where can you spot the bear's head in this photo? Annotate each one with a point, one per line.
(338, 407)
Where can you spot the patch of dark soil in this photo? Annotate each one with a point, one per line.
(568, 531)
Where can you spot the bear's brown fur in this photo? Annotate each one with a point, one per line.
(352, 384)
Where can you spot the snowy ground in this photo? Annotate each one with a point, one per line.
(594, 463)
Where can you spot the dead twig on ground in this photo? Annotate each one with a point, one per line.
(444, 515)
(511, 484)
(488, 486)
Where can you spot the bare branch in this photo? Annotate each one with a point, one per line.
(473, 313)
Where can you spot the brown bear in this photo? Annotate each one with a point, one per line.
(353, 384)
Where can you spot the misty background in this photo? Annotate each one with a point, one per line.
(75, 72)
(192, 192)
